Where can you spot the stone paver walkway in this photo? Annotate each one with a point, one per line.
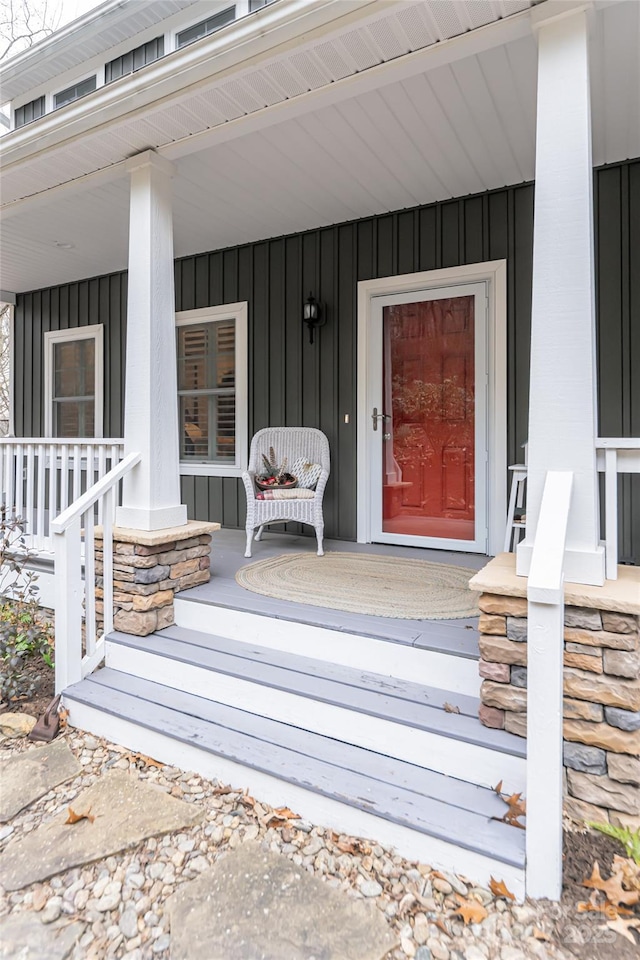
(254, 903)
(23, 936)
(179, 867)
(33, 774)
(122, 812)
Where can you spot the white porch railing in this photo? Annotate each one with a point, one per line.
(615, 455)
(545, 653)
(73, 534)
(40, 477)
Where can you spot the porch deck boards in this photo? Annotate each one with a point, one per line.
(457, 637)
(394, 790)
(409, 704)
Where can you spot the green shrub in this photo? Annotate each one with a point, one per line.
(25, 636)
(630, 839)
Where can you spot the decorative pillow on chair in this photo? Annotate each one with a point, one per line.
(306, 473)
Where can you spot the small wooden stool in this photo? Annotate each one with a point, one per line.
(516, 500)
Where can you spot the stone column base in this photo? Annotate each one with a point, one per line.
(149, 568)
(601, 684)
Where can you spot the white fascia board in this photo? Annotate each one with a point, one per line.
(241, 44)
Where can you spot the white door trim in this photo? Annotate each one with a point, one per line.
(494, 273)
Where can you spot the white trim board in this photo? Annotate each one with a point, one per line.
(494, 274)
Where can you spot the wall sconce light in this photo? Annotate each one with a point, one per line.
(312, 315)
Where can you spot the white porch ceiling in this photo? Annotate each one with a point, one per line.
(459, 129)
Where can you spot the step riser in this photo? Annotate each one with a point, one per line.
(322, 810)
(455, 758)
(446, 671)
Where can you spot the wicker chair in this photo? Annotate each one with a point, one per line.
(292, 443)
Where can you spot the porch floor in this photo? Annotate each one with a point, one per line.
(457, 637)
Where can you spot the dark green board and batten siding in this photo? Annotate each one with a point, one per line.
(294, 382)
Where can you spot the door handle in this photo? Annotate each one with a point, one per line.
(375, 416)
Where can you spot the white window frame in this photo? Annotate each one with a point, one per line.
(97, 73)
(242, 9)
(53, 337)
(238, 312)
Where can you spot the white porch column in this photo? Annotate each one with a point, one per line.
(562, 400)
(151, 494)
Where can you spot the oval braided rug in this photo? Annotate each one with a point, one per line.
(366, 583)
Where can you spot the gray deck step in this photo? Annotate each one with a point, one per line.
(455, 637)
(420, 799)
(399, 701)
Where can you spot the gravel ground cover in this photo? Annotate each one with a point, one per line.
(121, 899)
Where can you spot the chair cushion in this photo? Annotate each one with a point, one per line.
(295, 494)
(306, 473)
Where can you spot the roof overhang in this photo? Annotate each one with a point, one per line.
(100, 29)
(451, 118)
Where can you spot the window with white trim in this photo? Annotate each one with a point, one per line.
(212, 389)
(75, 92)
(205, 27)
(74, 382)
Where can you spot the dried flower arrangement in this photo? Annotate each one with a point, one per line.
(275, 474)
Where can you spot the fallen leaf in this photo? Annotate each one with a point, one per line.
(498, 889)
(449, 708)
(353, 846)
(274, 821)
(471, 911)
(76, 817)
(629, 871)
(63, 714)
(539, 934)
(624, 927)
(222, 791)
(612, 888)
(285, 814)
(248, 801)
(610, 910)
(143, 759)
(441, 925)
(517, 808)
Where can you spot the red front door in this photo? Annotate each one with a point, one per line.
(430, 418)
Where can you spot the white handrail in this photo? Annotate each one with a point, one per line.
(69, 441)
(79, 651)
(98, 490)
(545, 652)
(615, 455)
